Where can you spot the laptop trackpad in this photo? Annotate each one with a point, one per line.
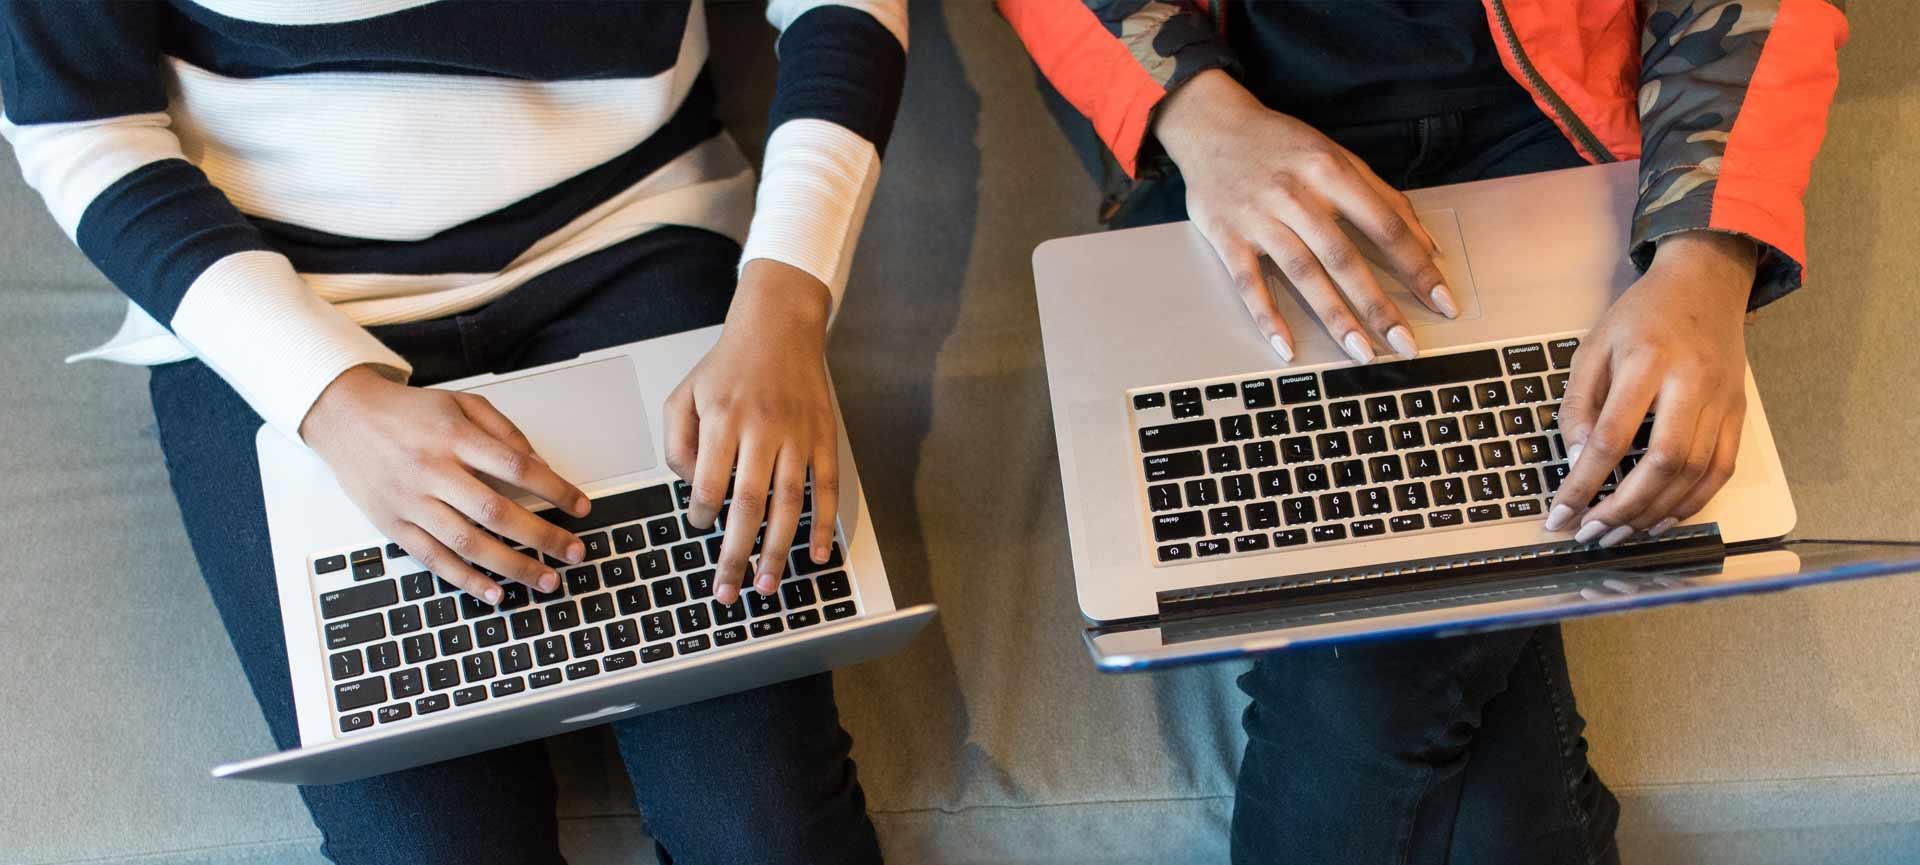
(588, 421)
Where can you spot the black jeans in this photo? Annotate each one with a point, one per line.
(1463, 750)
(761, 776)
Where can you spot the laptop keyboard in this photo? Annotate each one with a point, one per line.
(1245, 466)
(400, 643)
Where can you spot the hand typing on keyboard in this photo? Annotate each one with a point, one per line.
(1672, 344)
(755, 414)
(411, 458)
(1262, 183)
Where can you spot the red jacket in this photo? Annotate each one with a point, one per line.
(1723, 101)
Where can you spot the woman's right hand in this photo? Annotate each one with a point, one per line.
(412, 458)
(1263, 183)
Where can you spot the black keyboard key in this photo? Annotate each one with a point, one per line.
(1178, 526)
(478, 667)
(659, 626)
(356, 721)
(1178, 436)
(473, 608)
(803, 619)
(1374, 501)
(1347, 413)
(1486, 487)
(527, 624)
(766, 605)
(1323, 534)
(1369, 528)
(633, 601)
(1496, 454)
(370, 554)
(416, 585)
(1524, 508)
(1221, 391)
(662, 651)
(543, 678)
(358, 599)
(1372, 440)
(1525, 359)
(1490, 394)
(1454, 400)
(1273, 423)
(727, 614)
(1449, 491)
(1483, 513)
(582, 580)
(1417, 404)
(653, 564)
(1407, 435)
(1221, 460)
(383, 656)
(1236, 488)
(1524, 482)
(1309, 418)
(623, 634)
(406, 683)
(1237, 427)
(1351, 473)
(1385, 469)
(1557, 385)
(329, 564)
(1257, 393)
(627, 507)
(562, 616)
(1249, 543)
(700, 584)
(419, 649)
(1144, 401)
(1220, 521)
(1410, 497)
(370, 570)
(1163, 497)
(1263, 515)
(1298, 511)
(1188, 409)
(1516, 421)
(1406, 523)
(617, 572)
(1381, 409)
(1170, 467)
(1481, 426)
(1561, 350)
(1310, 478)
(1529, 389)
(508, 687)
(1444, 519)
(833, 612)
(491, 632)
(515, 658)
(668, 592)
(1547, 417)
(345, 665)
(1290, 538)
(1299, 388)
(1423, 464)
(1461, 459)
(1298, 449)
(1333, 445)
(455, 640)
(596, 608)
(465, 696)
(694, 617)
(550, 650)
(354, 631)
(1275, 483)
(596, 545)
(1336, 506)
(1534, 449)
(1416, 373)
(360, 693)
(700, 642)
(620, 661)
(586, 642)
(442, 675)
(1212, 547)
(627, 539)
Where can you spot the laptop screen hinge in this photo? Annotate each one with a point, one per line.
(1690, 544)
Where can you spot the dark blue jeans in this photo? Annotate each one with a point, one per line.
(1463, 750)
(762, 776)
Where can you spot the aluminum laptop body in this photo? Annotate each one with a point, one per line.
(597, 420)
(1154, 372)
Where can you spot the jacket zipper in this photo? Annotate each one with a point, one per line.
(1564, 114)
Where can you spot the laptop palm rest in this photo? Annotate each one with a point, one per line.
(588, 421)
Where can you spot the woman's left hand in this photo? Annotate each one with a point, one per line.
(750, 420)
(1673, 344)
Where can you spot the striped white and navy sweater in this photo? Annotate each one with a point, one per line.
(264, 177)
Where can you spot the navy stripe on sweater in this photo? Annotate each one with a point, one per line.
(841, 65)
(153, 231)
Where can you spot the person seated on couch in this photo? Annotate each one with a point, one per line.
(1271, 123)
(319, 207)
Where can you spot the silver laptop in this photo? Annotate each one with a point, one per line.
(393, 669)
(1218, 505)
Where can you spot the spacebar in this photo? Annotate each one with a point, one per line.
(615, 509)
(1419, 372)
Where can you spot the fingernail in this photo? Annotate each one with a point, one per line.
(1619, 534)
(1357, 347)
(1573, 453)
(575, 553)
(1558, 517)
(1281, 348)
(819, 555)
(1593, 529)
(1661, 527)
(1443, 299)
(1402, 340)
(726, 594)
(493, 595)
(549, 581)
(766, 584)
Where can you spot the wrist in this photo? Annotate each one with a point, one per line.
(1198, 111)
(778, 297)
(338, 399)
(1711, 260)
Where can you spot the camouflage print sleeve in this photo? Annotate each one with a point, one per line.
(1733, 104)
(1173, 40)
